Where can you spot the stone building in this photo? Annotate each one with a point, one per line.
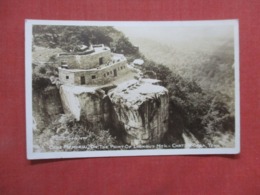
(92, 65)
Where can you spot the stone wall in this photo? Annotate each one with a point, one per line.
(66, 77)
(93, 76)
(86, 104)
(85, 61)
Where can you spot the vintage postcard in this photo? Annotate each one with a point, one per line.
(101, 89)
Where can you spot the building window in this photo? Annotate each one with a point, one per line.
(107, 73)
(93, 76)
(101, 61)
(115, 72)
(82, 80)
(67, 77)
(104, 75)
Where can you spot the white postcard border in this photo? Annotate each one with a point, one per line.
(55, 155)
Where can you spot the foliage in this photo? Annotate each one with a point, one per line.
(41, 76)
(203, 113)
(69, 37)
(39, 80)
(209, 64)
(67, 134)
(123, 45)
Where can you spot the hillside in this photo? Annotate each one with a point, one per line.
(204, 55)
(209, 68)
(68, 38)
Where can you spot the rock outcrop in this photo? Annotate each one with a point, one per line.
(46, 105)
(141, 107)
(86, 103)
(137, 110)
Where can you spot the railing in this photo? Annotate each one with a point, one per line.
(78, 53)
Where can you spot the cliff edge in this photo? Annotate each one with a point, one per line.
(141, 107)
(138, 109)
(86, 103)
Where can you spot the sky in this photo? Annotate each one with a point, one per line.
(195, 35)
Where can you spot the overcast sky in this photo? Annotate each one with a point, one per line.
(196, 35)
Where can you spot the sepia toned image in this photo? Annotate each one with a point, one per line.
(98, 89)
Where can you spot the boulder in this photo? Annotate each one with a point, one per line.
(142, 111)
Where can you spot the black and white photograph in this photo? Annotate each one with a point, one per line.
(101, 89)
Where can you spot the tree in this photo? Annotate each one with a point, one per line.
(67, 134)
(201, 112)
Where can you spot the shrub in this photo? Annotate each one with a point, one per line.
(67, 134)
(201, 112)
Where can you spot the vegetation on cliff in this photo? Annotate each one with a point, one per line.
(203, 113)
(209, 62)
(69, 37)
(66, 134)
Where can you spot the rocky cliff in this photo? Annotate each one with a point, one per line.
(86, 103)
(46, 105)
(141, 107)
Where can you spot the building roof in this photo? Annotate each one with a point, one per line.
(138, 62)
